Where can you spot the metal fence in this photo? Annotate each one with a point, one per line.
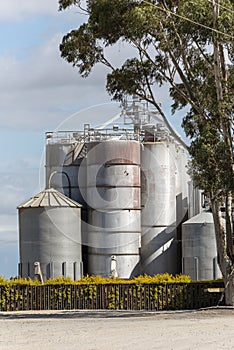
(175, 296)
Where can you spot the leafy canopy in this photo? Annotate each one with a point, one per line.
(184, 47)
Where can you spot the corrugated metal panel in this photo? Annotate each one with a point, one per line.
(49, 198)
(199, 251)
(52, 236)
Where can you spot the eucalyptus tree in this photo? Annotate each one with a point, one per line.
(186, 47)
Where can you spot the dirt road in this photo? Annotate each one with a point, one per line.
(117, 330)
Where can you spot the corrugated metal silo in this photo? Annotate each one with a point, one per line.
(199, 251)
(66, 172)
(159, 241)
(113, 197)
(50, 233)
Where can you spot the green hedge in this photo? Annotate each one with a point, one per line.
(145, 279)
(162, 292)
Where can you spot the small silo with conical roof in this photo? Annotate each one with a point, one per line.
(50, 233)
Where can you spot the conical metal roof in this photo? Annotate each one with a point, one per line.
(49, 198)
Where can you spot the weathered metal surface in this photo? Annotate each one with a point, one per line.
(113, 152)
(199, 251)
(49, 198)
(50, 235)
(115, 221)
(158, 184)
(158, 208)
(194, 200)
(123, 175)
(114, 243)
(159, 250)
(68, 179)
(127, 265)
(113, 196)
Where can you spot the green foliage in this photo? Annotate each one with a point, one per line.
(59, 280)
(174, 47)
(19, 282)
(185, 47)
(112, 296)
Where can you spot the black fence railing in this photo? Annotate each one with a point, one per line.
(176, 296)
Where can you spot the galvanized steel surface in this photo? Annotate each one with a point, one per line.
(199, 252)
(159, 249)
(106, 175)
(51, 236)
(113, 196)
(69, 179)
(113, 152)
(127, 265)
(49, 198)
(115, 221)
(158, 184)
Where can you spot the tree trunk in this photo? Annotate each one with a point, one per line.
(229, 289)
(225, 263)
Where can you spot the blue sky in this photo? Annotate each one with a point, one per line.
(39, 92)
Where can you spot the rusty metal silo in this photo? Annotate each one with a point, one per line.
(113, 197)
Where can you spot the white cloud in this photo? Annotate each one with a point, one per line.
(40, 91)
(19, 9)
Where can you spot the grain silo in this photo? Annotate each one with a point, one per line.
(66, 172)
(113, 198)
(65, 154)
(159, 241)
(199, 252)
(50, 233)
(182, 178)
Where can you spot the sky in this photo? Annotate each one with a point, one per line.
(39, 92)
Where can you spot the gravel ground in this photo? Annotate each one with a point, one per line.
(117, 330)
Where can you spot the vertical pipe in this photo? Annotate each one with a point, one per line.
(215, 268)
(74, 270)
(64, 270)
(196, 266)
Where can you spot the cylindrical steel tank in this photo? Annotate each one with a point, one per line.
(113, 197)
(195, 200)
(64, 167)
(66, 172)
(50, 233)
(199, 253)
(159, 241)
(182, 178)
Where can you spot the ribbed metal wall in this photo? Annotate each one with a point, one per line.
(50, 233)
(113, 197)
(159, 236)
(66, 171)
(199, 251)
